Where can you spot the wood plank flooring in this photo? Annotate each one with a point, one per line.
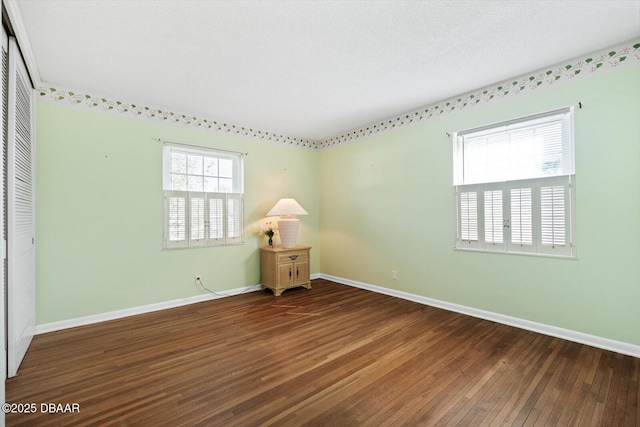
(332, 355)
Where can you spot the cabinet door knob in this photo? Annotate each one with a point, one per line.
(293, 257)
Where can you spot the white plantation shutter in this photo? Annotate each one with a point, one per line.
(21, 298)
(528, 216)
(203, 197)
(196, 219)
(225, 218)
(493, 217)
(553, 221)
(234, 215)
(555, 231)
(175, 219)
(216, 218)
(521, 223)
(468, 214)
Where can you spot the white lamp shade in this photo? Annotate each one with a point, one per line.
(287, 207)
(288, 225)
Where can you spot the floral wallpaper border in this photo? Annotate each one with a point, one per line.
(93, 102)
(609, 59)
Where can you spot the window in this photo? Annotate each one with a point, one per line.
(514, 185)
(203, 197)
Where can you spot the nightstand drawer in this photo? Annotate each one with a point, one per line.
(293, 257)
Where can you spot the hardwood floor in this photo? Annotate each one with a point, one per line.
(332, 355)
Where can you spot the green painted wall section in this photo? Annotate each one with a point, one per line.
(387, 203)
(379, 204)
(99, 213)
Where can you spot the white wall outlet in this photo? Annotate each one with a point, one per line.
(394, 274)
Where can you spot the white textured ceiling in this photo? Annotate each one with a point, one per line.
(309, 69)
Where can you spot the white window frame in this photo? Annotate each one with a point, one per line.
(478, 203)
(196, 229)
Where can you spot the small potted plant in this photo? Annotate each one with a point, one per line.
(268, 229)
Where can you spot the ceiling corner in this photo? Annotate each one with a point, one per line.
(20, 32)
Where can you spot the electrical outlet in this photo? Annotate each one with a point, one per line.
(394, 274)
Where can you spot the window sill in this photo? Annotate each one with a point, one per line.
(569, 257)
(203, 247)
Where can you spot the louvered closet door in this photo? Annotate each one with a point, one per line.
(4, 51)
(21, 285)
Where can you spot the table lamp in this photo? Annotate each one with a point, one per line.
(288, 224)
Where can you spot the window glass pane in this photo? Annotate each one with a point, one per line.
(211, 166)
(211, 184)
(178, 162)
(225, 185)
(226, 168)
(178, 182)
(194, 164)
(194, 183)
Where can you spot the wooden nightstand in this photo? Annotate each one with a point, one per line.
(285, 268)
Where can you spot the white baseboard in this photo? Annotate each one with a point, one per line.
(554, 331)
(118, 314)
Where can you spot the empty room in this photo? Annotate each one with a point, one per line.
(331, 213)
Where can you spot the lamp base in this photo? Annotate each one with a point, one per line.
(288, 229)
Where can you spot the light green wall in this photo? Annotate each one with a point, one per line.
(387, 203)
(99, 213)
(379, 204)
